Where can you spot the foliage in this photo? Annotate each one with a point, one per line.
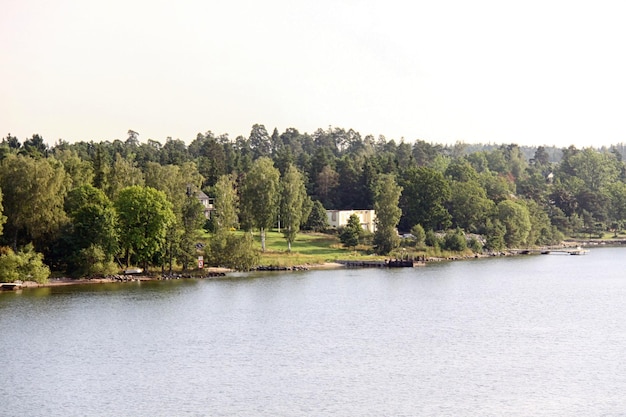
(144, 218)
(93, 221)
(516, 221)
(25, 265)
(293, 203)
(33, 193)
(562, 191)
(424, 193)
(419, 233)
(3, 218)
(386, 196)
(454, 240)
(228, 250)
(318, 220)
(350, 234)
(192, 220)
(431, 239)
(226, 203)
(93, 261)
(260, 196)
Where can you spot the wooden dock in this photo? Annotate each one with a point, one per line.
(560, 251)
(390, 263)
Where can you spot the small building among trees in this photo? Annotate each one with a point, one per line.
(339, 218)
(207, 203)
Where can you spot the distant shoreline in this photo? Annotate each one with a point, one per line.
(58, 282)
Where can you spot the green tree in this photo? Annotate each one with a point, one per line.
(419, 233)
(260, 196)
(26, 265)
(386, 197)
(79, 171)
(192, 219)
(144, 218)
(469, 205)
(228, 250)
(318, 219)
(351, 233)
(293, 203)
(516, 220)
(495, 235)
(617, 193)
(226, 203)
(93, 224)
(424, 192)
(454, 240)
(123, 173)
(3, 218)
(260, 142)
(33, 193)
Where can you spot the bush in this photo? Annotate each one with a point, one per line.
(419, 233)
(455, 241)
(475, 245)
(26, 265)
(93, 262)
(230, 251)
(431, 239)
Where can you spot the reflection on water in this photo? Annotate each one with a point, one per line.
(536, 335)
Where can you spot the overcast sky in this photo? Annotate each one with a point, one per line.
(528, 72)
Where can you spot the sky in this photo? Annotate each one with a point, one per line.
(533, 72)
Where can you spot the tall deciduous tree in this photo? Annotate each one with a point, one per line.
(424, 193)
(144, 216)
(292, 204)
(93, 220)
(33, 194)
(226, 203)
(260, 196)
(124, 173)
(386, 197)
(3, 218)
(516, 220)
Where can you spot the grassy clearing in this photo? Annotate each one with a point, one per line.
(309, 248)
(318, 248)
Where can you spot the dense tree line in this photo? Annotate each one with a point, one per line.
(92, 207)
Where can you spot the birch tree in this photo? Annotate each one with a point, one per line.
(293, 203)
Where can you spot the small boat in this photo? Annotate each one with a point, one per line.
(578, 251)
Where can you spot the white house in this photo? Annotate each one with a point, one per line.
(207, 202)
(339, 218)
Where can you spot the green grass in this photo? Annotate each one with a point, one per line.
(317, 248)
(308, 248)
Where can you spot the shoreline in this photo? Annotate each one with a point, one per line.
(216, 272)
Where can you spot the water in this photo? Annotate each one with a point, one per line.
(533, 335)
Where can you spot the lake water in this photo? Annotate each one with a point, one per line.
(525, 336)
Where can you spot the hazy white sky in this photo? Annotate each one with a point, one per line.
(529, 72)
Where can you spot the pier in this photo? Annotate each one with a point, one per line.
(390, 263)
(560, 251)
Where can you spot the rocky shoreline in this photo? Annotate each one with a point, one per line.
(223, 272)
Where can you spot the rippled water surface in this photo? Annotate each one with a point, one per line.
(527, 336)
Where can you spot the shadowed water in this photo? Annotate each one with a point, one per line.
(533, 335)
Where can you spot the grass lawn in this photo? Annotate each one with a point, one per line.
(309, 248)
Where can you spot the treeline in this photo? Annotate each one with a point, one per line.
(90, 207)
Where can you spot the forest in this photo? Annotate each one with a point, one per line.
(89, 208)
